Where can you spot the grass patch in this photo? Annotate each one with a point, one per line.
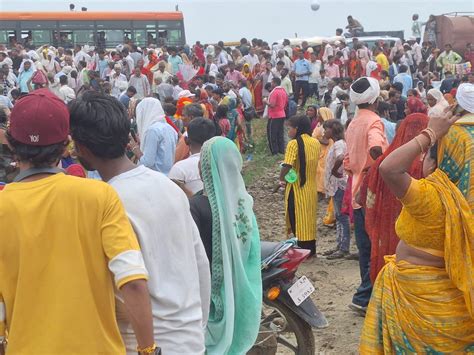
(262, 159)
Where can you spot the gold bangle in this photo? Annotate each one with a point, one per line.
(428, 132)
(148, 350)
(419, 144)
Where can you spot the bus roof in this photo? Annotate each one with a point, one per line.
(89, 16)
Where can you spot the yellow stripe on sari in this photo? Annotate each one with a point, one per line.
(423, 309)
(416, 309)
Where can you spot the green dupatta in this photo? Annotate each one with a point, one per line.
(236, 285)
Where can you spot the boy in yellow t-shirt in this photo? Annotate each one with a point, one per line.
(64, 242)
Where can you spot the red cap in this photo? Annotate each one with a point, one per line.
(39, 118)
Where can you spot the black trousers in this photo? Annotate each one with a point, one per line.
(313, 90)
(301, 85)
(275, 128)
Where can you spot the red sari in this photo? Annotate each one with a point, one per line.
(257, 89)
(381, 206)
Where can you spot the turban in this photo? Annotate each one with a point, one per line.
(67, 69)
(364, 91)
(465, 97)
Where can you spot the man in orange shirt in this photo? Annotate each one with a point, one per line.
(366, 141)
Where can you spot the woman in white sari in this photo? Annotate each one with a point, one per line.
(437, 103)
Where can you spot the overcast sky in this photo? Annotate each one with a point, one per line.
(229, 20)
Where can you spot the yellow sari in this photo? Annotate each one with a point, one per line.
(423, 309)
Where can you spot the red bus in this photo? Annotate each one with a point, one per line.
(101, 29)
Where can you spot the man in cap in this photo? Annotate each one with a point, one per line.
(71, 241)
(366, 141)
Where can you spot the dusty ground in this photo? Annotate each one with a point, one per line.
(335, 280)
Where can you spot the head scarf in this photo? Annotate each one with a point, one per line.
(465, 96)
(382, 207)
(182, 101)
(236, 294)
(369, 96)
(148, 112)
(247, 74)
(204, 100)
(415, 105)
(22, 65)
(326, 114)
(210, 50)
(441, 103)
(67, 69)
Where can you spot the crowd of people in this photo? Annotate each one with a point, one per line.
(386, 134)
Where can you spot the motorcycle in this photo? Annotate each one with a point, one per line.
(289, 314)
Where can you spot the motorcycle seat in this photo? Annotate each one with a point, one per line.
(268, 248)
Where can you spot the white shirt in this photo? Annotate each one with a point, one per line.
(142, 85)
(187, 171)
(252, 60)
(222, 59)
(328, 50)
(417, 56)
(163, 75)
(179, 276)
(246, 96)
(66, 93)
(315, 68)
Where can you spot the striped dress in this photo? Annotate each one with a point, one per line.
(306, 197)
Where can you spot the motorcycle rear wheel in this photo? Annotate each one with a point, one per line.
(302, 342)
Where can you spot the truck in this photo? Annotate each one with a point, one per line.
(455, 28)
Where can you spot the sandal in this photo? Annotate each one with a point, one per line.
(338, 255)
(330, 252)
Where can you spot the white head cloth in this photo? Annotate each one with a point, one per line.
(465, 96)
(369, 96)
(148, 111)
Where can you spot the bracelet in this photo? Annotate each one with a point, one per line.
(148, 350)
(419, 144)
(428, 132)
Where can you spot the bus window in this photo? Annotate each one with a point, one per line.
(144, 33)
(170, 32)
(83, 37)
(36, 37)
(112, 38)
(8, 37)
(174, 37)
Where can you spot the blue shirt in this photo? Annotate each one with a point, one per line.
(302, 66)
(406, 81)
(159, 147)
(23, 78)
(175, 62)
(390, 129)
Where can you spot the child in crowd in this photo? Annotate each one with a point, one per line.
(390, 127)
(222, 120)
(335, 183)
(185, 173)
(170, 111)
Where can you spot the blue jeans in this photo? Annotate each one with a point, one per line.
(362, 295)
(343, 228)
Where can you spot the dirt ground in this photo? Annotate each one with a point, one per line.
(335, 280)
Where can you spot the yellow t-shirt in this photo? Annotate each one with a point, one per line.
(383, 61)
(58, 235)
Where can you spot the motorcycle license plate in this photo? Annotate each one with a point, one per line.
(301, 290)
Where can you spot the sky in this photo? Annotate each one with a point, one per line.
(229, 20)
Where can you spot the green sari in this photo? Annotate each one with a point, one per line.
(236, 285)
